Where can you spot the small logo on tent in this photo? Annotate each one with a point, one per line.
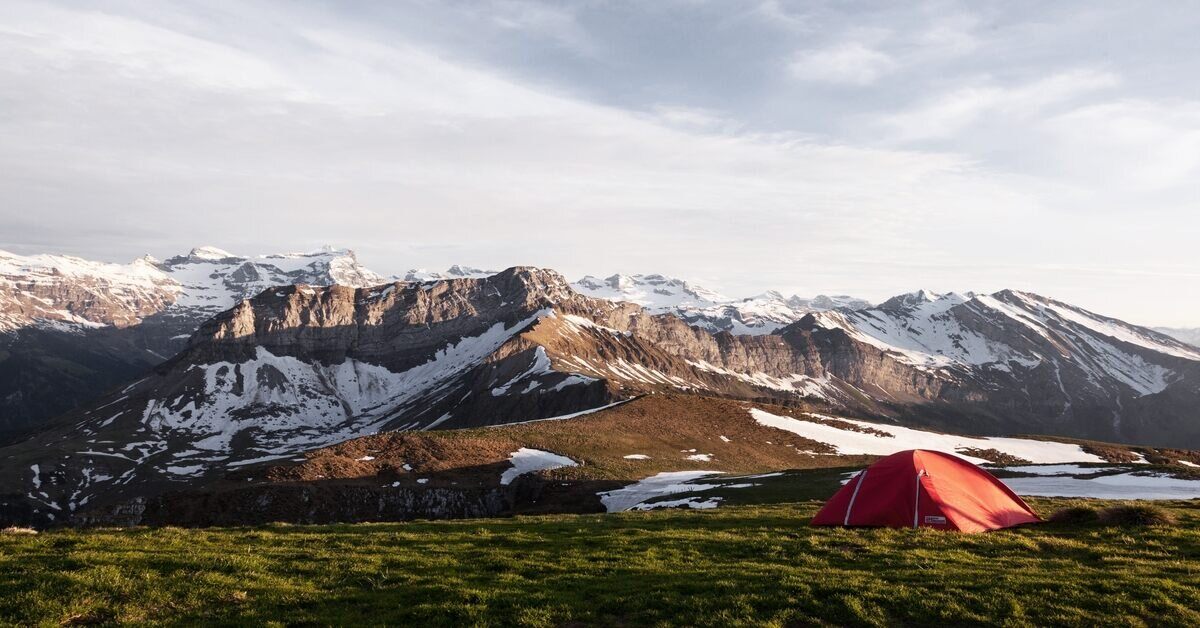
(934, 519)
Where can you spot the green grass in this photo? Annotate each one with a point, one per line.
(747, 565)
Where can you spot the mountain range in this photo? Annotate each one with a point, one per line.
(232, 366)
(71, 328)
(695, 305)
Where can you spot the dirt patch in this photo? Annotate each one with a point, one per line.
(1173, 457)
(1124, 454)
(843, 425)
(993, 456)
(1111, 453)
(401, 456)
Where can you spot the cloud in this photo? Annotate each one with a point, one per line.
(848, 63)
(950, 113)
(557, 23)
(695, 119)
(1139, 145)
(950, 35)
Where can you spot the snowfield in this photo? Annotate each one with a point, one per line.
(526, 460)
(849, 442)
(665, 483)
(1138, 485)
(1060, 469)
(690, 502)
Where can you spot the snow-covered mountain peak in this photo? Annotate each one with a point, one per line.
(657, 293)
(57, 289)
(825, 302)
(209, 253)
(457, 271)
(460, 271)
(1047, 317)
(910, 300)
(703, 307)
(771, 295)
(214, 280)
(1010, 330)
(62, 289)
(591, 283)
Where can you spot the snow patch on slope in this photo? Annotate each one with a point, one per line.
(927, 330)
(822, 387)
(526, 460)
(1119, 486)
(665, 483)
(850, 442)
(290, 404)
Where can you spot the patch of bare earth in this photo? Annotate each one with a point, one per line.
(992, 455)
(1125, 454)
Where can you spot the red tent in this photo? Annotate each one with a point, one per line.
(918, 488)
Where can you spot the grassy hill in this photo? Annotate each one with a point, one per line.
(739, 565)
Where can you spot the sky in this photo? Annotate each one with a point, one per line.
(864, 148)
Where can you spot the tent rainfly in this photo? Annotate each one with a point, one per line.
(928, 489)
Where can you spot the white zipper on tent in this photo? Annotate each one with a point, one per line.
(917, 500)
(861, 478)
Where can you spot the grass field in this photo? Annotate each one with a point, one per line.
(744, 565)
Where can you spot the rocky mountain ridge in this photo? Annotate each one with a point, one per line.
(49, 289)
(759, 314)
(71, 328)
(302, 367)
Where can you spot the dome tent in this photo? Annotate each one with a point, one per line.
(930, 489)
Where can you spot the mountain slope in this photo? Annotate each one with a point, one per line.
(1044, 365)
(1190, 335)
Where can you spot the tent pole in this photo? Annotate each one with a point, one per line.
(917, 500)
(861, 478)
